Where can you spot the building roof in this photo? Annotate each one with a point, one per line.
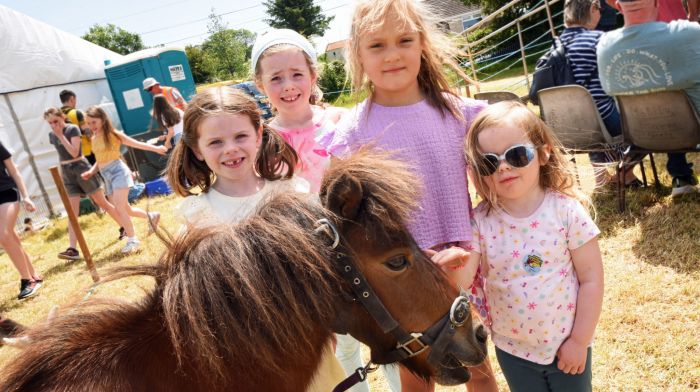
(336, 45)
(446, 9)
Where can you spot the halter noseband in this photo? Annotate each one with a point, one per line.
(438, 335)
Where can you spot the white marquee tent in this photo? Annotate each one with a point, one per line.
(37, 61)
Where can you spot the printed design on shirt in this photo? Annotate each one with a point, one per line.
(533, 263)
(639, 71)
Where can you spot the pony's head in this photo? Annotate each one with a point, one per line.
(372, 198)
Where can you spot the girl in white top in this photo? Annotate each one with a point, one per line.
(229, 156)
(169, 118)
(537, 249)
(236, 162)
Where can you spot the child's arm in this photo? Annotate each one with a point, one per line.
(459, 264)
(131, 142)
(589, 269)
(14, 173)
(73, 145)
(168, 137)
(87, 174)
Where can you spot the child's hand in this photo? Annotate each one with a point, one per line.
(454, 261)
(29, 205)
(86, 175)
(572, 357)
(162, 150)
(452, 258)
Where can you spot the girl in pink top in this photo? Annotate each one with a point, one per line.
(538, 251)
(396, 56)
(284, 64)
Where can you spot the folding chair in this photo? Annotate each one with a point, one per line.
(659, 122)
(573, 116)
(496, 96)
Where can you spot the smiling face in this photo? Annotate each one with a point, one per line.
(95, 124)
(508, 182)
(287, 80)
(391, 58)
(228, 144)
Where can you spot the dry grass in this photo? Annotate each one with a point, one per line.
(647, 338)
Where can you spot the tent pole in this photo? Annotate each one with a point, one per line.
(29, 153)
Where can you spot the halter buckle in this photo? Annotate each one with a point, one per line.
(415, 337)
(459, 311)
(325, 222)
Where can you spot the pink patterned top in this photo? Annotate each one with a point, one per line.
(528, 275)
(313, 158)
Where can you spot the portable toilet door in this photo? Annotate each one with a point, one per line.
(169, 66)
(176, 72)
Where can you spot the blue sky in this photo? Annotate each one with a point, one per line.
(170, 22)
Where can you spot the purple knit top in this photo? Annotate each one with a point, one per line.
(432, 145)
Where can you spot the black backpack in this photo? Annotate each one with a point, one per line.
(552, 69)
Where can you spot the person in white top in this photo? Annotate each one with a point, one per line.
(237, 163)
(169, 118)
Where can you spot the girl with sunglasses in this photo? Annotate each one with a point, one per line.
(536, 249)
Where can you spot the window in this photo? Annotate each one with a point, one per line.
(470, 19)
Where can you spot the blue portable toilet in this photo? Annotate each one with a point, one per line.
(168, 65)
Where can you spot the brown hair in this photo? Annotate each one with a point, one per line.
(108, 132)
(164, 113)
(316, 93)
(556, 174)
(437, 49)
(275, 159)
(578, 12)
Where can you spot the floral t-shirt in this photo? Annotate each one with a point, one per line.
(528, 275)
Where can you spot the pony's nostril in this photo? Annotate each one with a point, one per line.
(481, 334)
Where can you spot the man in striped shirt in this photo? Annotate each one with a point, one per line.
(580, 40)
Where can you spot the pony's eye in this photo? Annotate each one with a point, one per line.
(398, 263)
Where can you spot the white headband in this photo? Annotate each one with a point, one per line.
(280, 36)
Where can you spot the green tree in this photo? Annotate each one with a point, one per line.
(301, 16)
(200, 72)
(332, 80)
(226, 52)
(114, 38)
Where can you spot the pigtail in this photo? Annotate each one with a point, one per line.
(276, 158)
(185, 171)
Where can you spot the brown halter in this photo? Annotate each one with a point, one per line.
(408, 344)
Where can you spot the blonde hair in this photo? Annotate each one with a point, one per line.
(275, 158)
(316, 93)
(53, 112)
(556, 174)
(370, 15)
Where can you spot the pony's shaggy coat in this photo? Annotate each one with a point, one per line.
(242, 307)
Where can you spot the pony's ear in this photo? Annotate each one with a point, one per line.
(344, 196)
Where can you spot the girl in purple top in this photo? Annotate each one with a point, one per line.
(396, 55)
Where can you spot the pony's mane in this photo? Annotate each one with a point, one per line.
(252, 295)
(268, 273)
(243, 295)
(388, 205)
